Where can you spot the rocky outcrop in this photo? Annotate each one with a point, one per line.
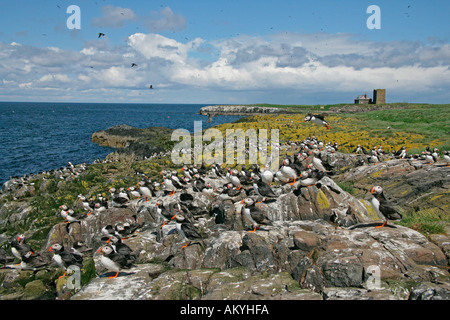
(255, 109)
(240, 110)
(322, 245)
(135, 142)
(290, 260)
(411, 184)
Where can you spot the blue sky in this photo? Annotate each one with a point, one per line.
(289, 52)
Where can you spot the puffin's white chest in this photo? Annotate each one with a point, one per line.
(267, 177)
(288, 172)
(109, 264)
(376, 206)
(180, 230)
(58, 260)
(249, 216)
(235, 180)
(318, 164)
(317, 121)
(145, 191)
(16, 253)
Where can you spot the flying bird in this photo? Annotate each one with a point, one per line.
(317, 119)
(101, 34)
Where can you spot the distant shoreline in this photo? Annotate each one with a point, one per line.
(253, 109)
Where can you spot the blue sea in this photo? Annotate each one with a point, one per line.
(40, 136)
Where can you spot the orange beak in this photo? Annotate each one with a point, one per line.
(99, 249)
(50, 249)
(242, 201)
(303, 120)
(371, 190)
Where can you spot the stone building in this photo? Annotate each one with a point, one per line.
(379, 97)
(363, 99)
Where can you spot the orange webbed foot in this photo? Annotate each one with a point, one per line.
(382, 225)
(187, 244)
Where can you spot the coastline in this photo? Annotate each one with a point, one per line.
(292, 250)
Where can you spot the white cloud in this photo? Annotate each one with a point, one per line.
(166, 19)
(153, 45)
(313, 64)
(114, 17)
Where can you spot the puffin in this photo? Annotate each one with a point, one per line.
(165, 214)
(133, 193)
(428, 157)
(71, 216)
(309, 178)
(373, 157)
(288, 172)
(267, 175)
(383, 207)
(79, 248)
(120, 247)
(401, 154)
(254, 214)
(64, 258)
(119, 199)
(264, 190)
(230, 190)
(109, 231)
(359, 149)
(317, 119)
(18, 246)
(317, 163)
(446, 157)
(169, 184)
(113, 261)
(144, 190)
(186, 229)
(234, 179)
(32, 261)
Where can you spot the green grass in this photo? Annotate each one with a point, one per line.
(347, 186)
(431, 121)
(426, 221)
(304, 108)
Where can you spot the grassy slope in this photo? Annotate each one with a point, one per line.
(416, 125)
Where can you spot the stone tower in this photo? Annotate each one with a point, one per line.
(379, 96)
